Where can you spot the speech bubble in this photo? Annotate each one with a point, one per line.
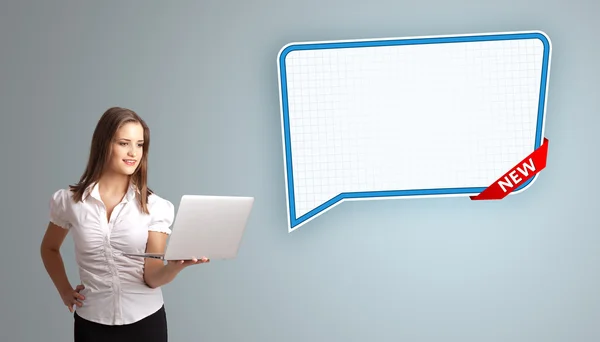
(408, 117)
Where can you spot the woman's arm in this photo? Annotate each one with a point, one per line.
(156, 272)
(53, 262)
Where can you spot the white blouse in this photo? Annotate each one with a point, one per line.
(115, 291)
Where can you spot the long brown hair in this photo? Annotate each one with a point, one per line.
(100, 150)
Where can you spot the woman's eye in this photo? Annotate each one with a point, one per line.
(123, 143)
(140, 145)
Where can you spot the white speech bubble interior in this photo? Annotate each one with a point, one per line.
(399, 117)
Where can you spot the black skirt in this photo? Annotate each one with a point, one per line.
(150, 329)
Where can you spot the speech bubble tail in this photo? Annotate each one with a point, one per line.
(295, 222)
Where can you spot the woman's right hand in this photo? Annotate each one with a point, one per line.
(73, 297)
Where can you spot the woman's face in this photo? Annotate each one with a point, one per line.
(127, 149)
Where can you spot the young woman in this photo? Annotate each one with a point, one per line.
(109, 211)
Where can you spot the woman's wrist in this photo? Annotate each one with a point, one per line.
(64, 290)
(160, 275)
(173, 268)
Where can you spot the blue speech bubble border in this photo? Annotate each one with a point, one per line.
(295, 221)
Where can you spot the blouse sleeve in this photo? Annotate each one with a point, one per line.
(163, 214)
(58, 209)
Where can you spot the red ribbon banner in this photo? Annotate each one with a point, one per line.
(520, 173)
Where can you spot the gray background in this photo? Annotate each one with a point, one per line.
(203, 75)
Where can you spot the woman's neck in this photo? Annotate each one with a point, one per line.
(111, 183)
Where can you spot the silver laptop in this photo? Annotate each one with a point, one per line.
(206, 226)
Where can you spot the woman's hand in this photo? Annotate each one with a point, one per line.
(72, 297)
(158, 273)
(178, 265)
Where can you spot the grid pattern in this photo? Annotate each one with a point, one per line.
(409, 117)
